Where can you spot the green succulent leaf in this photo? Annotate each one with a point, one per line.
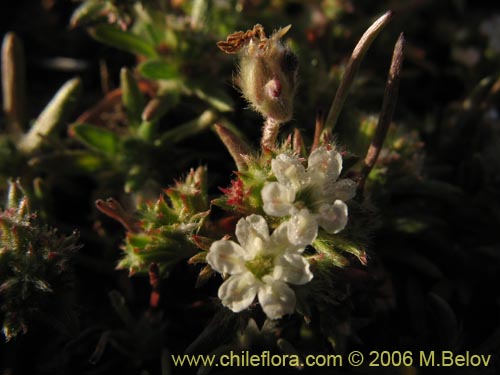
(158, 69)
(14, 83)
(123, 40)
(325, 248)
(158, 106)
(132, 98)
(139, 240)
(190, 128)
(89, 11)
(135, 178)
(54, 114)
(97, 138)
(72, 162)
(215, 97)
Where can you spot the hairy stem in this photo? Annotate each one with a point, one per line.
(388, 106)
(352, 68)
(236, 146)
(269, 134)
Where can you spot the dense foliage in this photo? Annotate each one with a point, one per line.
(175, 186)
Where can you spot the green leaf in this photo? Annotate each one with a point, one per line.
(350, 247)
(332, 245)
(132, 98)
(123, 40)
(322, 247)
(215, 97)
(15, 194)
(135, 178)
(42, 285)
(71, 162)
(14, 83)
(190, 128)
(89, 11)
(53, 115)
(158, 106)
(139, 240)
(97, 138)
(158, 69)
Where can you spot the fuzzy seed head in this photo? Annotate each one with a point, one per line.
(267, 75)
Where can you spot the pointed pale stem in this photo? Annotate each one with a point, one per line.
(318, 130)
(352, 68)
(199, 11)
(14, 84)
(235, 145)
(298, 143)
(112, 208)
(15, 194)
(388, 106)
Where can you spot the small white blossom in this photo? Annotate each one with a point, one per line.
(260, 265)
(311, 196)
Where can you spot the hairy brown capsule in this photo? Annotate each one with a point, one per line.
(267, 74)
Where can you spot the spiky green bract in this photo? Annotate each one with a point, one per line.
(34, 264)
(244, 194)
(167, 227)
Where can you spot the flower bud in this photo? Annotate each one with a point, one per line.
(267, 74)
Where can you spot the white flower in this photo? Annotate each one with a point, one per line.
(260, 265)
(311, 196)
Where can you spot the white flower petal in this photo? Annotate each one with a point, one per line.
(333, 217)
(324, 166)
(343, 190)
(252, 233)
(278, 199)
(289, 171)
(239, 291)
(226, 257)
(280, 242)
(302, 228)
(276, 298)
(292, 268)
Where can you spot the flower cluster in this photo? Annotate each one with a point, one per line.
(311, 196)
(35, 266)
(261, 264)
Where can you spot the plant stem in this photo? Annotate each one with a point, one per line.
(235, 145)
(14, 84)
(112, 208)
(318, 130)
(352, 68)
(388, 106)
(269, 134)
